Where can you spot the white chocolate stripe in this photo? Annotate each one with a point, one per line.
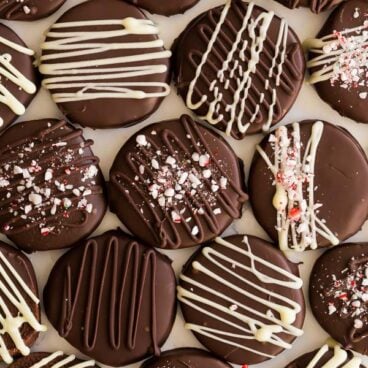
(250, 327)
(11, 325)
(339, 357)
(62, 363)
(95, 83)
(302, 234)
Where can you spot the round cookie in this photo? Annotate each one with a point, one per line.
(242, 299)
(51, 188)
(19, 304)
(112, 298)
(335, 357)
(51, 360)
(18, 76)
(124, 70)
(167, 8)
(316, 6)
(338, 60)
(338, 294)
(239, 67)
(176, 184)
(306, 185)
(28, 9)
(185, 357)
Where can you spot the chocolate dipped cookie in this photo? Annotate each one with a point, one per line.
(306, 185)
(105, 56)
(186, 358)
(331, 357)
(18, 76)
(112, 298)
(338, 294)
(19, 304)
(167, 8)
(52, 360)
(242, 299)
(176, 184)
(239, 67)
(51, 188)
(28, 10)
(338, 60)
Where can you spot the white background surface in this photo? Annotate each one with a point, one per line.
(108, 142)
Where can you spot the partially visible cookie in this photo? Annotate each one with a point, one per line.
(186, 358)
(327, 357)
(316, 6)
(169, 7)
(28, 9)
(338, 60)
(52, 360)
(18, 76)
(19, 304)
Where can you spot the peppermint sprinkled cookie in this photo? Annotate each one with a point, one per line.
(303, 177)
(338, 60)
(112, 298)
(242, 299)
(105, 56)
(327, 357)
(51, 188)
(28, 9)
(339, 294)
(52, 360)
(176, 184)
(239, 68)
(168, 7)
(18, 77)
(185, 358)
(19, 304)
(316, 6)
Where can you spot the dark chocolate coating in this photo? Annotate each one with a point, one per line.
(328, 276)
(193, 43)
(131, 199)
(316, 6)
(305, 359)
(341, 169)
(193, 316)
(185, 358)
(121, 111)
(28, 9)
(112, 298)
(346, 101)
(23, 63)
(167, 8)
(57, 147)
(34, 358)
(25, 270)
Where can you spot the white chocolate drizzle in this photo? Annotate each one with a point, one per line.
(67, 361)
(233, 66)
(11, 325)
(11, 73)
(340, 356)
(297, 220)
(94, 78)
(253, 324)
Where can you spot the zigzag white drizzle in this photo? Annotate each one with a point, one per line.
(9, 324)
(340, 356)
(296, 216)
(93, 78)
(250, 328)
(64, 362)
(257, 29)
(10, 72)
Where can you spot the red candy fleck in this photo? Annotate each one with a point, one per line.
(294, 214)
(245, 366)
